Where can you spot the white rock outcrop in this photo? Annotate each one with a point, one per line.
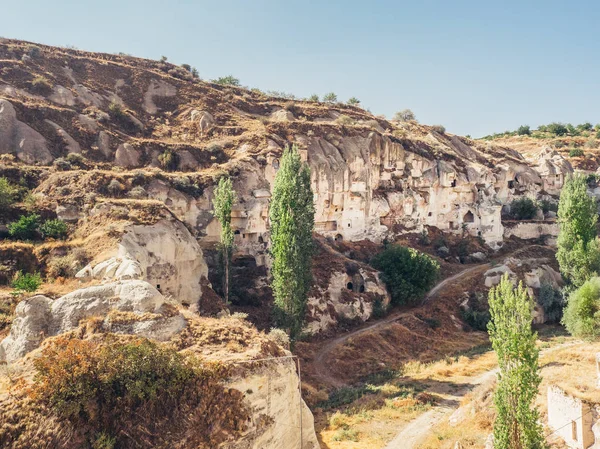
(15, 136)
(157, 88)
(203, 120)
(164, 254)
(39, 317)
(279, 416)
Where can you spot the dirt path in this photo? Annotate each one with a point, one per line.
(416, 430)
(322, 358)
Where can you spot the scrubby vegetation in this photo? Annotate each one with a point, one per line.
(405, 115)
(119, 394)
(550, 130)
(26, 282)
(523, 208)
(25, 228)
(54, 229)
(407, 273)
(582, 313)
(228, 80)
(330, 98)
(9, 194)
(552, 301)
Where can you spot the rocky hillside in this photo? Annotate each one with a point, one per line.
(127, 152)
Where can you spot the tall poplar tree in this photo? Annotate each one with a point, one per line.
(292, 217)
(516, 425)
(222, 204)
(578, 251)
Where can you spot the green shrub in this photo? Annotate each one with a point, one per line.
(116, 110)
(330, 97)
(424, 238)
(523, 208)
(9, 194)
(168, 160)
(407, 273)
(41, 85)
(440, 129)
(62, 164)
(25, 228)
(405, 116)
(112, 386)
(353, 101)
(548, 206)
(344, 120)
(76, 159)
(345, 435)
(55, 229)
(379, 310)
(26, 282)
(314, 98)
(61, 267)
(34, 51)
(576, 152)
(582, 314)
(115, 188)
(524, 130)
(558, 129)
(227, 81)
(552, 301)
(477, 319)
(585, 127)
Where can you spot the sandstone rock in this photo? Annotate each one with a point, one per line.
(67, 212)
(282, 115)
(204, 120)
(187, 161)
(88, 123)
(28, 328)
(87, 97)
(103, 143)
(16, 136)
(478, 256)
(39, 317)
(164, 254)
(156, 88)
(127, 156)
(70, 143)
(63, 96)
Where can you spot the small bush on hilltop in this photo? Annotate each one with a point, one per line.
(440, 129)
(405, 116)
(25, 228)
(523, 208)
(582, 314)
(330, 97)
(314, 98)
(524, 130)
(26, 282)
(353, 101)
(407, 273)
(227, 81)
(558, 129)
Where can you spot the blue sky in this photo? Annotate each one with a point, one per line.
(476, 67)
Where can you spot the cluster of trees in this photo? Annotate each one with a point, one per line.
(578, 255)
(555, 129)
(407, 273)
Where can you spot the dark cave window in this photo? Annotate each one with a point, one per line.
(339, 238)
(511, 184)
(469, 217)
(361, 289)
(349, 286)
(237, 232)
(260, 239)
(158, 287)
(453, 184)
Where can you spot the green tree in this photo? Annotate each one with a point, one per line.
(405, 115)
(330, 97)
(407, 273)
(353, 101)
(55, 229)
(516, 425)
(9, 193)
(578, 251)
(292, 217)
(523, 208)
(222, 204)
(524, 130)
(25, 228)
(227, 81)
(582, 313)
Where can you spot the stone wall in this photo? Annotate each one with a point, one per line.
(279, 416)
(571, 418)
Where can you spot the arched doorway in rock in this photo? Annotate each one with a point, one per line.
(469, 217)
(339, 238)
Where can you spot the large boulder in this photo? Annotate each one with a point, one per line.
(39, 317)
(17, 137)
(204, 120)
(164, 254)
(127, 156)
